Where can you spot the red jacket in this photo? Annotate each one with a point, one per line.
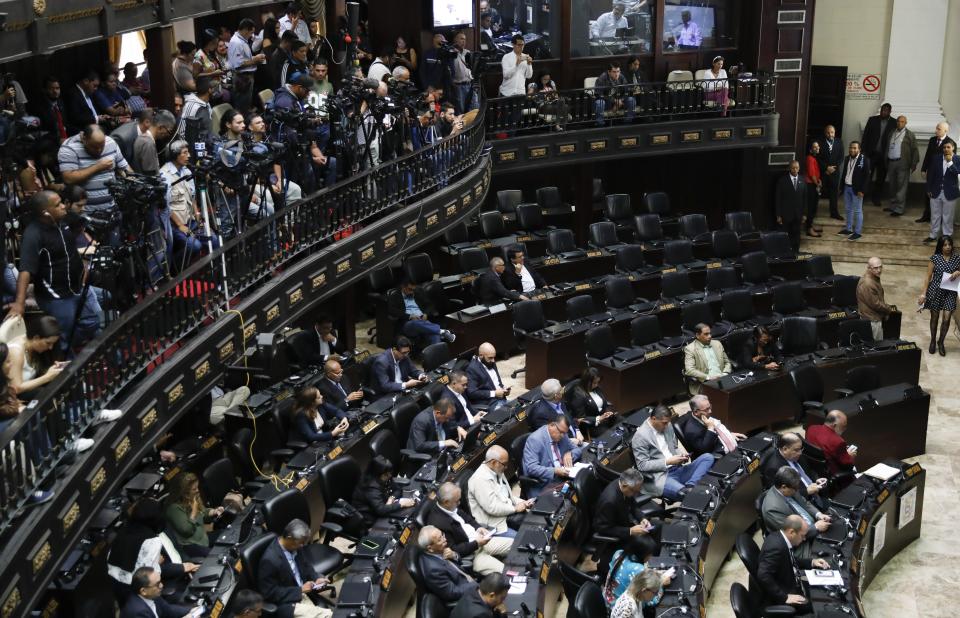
(833, 446)
(813, 170)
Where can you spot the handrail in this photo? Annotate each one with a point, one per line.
(599, 107)
(37, 440)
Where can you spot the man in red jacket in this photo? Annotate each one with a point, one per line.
(827, 438)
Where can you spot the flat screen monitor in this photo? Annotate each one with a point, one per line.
(448, 13)
(703, 16)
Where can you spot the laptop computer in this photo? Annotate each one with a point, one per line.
(754, 445)
(354, 594)
(851, 497)
(677, 533)
(470, 440)
(727, 466)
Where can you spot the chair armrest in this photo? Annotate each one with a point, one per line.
(843, 392)
(412, 455)
(331, 527)
(369, 394)
(602, 539)
(779, 610)
(252, 487)
(296, 445)
(269, 609)
(815, 405)
(282, 453)
(400, 481)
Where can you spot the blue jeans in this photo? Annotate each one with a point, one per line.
(192, 245)
(425, 329)
(64, 310)
(9, 284)
(854, 206)
(465, 98)
(687, 475)
(509, 533)
(600, 106)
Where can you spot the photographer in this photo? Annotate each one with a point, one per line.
(435, 68)
(372, 124)
(12, 105)
(182, 205)
(195, 121)
(425, 132)
(160, 129)
(54, 266)
(299, 167)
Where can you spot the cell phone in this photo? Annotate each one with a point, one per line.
(370, 544)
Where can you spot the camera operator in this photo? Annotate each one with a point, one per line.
(13, 104)
(381, 64)
(464, 97)
(196, 112)
(369, 134)
(299, 168)
(91, 159)
(185, 216)
(435, 67)
(53, 265)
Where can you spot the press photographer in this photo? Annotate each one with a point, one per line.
(303, 132)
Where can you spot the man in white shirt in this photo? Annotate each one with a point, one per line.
(456, 389)
(465, 534)
(517, 69)
(687, 35)
(484, 384)
(607, 24)
(491, 501)
(293, 20)
(705, 434)
(243, 63)
(380, 66)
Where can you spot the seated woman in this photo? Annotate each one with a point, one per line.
(586, 402)
(187, 516)
(629, 562)
(715, 86)
(372, 498)
(760, 352)
(644, 591)
(311, 415)
(31, 357)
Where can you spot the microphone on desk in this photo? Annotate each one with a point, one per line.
(532, 565)
(526, 610)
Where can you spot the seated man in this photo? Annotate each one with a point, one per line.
(438, 565)
(285, 578)
(326, 344)
(520, 277)
(614, 515)
(705, 434)
(545, 410)
(484, 384)
(337, 389)
(433, 429)
(247, 604)
(788, 452)
(548, 454)
(612, 94)
(393, 371)
(491, 501)
(455, 390)
(704, 359)
(784, 499)
(827, 438)
(776, 569)
(489, 286)
(146, 601)
(406, 310)
(482, 602)
(667, 470)
(464, 535)
(608, 23)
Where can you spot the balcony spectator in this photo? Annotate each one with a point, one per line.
(13, 104)
(517, 69)
(321, 78)
(186, 219)
(404, 55)
(145, 159)
(243, 63)
(90, 160)
(187, 516)
(51, 110)
(465, 96)
(182, 66)
(81, 111)
(232, 125)
(131, 82)
(610, 88)
(381, 64)
(293, 20)
(632, 74)
(205, 62)
(279, 60)
(296, 63)
(435, 68)
(715, 86)
(195, 118)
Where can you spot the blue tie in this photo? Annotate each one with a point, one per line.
(802, 512)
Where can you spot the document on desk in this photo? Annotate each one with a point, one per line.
(882, 471)
(908, 508)
(816, 577)
(946, 283)
(518, 583)
(577, 467)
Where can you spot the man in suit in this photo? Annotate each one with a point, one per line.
(943, 191)
(147, 602)
(615, 515)
(80, 109)
(854, 177)
(520, 277)
(667, 470)
(464, 535)
(784, 499)
(325, 343)
(704, 434)
(337, 389)
(484, 384)
(439, 569)
(455, 390)
(704, 359)
(826, 437)
(433, 429)
(393, 371)
(791, 201)
(548, 454)
(829, 159)
(902, 157)
(285, 578)
(788, 453)
(481, 603)
(875, 140)
(51, 110)
(777, 568)
(406, 310)
(491, 501)
(489, 288)
(934, 149)
(545, 410)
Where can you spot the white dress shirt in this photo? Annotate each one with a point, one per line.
(515, 75)
(469, 530)
(151, 604)
(526, 280)
(463, 402)
(662, 445)
(607, 25)
(495, 378)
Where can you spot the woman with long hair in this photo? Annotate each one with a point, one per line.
(311, 415)
(31, 357)
(187, 515)
(941, 303)
(626, 564)
(587, 402)
(232, 125)
(644, 591)
(37, 443)
(760, 351)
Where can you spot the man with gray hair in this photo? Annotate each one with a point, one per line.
(285, 578)
(160, 127)
(465, 535)
(545, 411)
(492, 503)
(489, 288)
(705, 434)
(438, 565)
(619, 514)
(666, 467)
(870, 301)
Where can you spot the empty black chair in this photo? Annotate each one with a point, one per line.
(603, 235)
(291, 504)
(648, 229)
(736, 307)
(572, 578)
(819, 268)
(530, 219)
(630, 260)
(508, 200)
(599, 343)
(788, 300)
(281, 415)
(726, 244)
(405, 461)
(617, 209)
(217, 480)
(418, 268)
(741, 222)
(676, 286)
(435, 355)
(432, 606)
(549, 198)
(798, 335)
(456, 234)
(338, 478)
(777, 246)
(808, 386)
(378, 282)
(561, 241)
(492, 225)
(694, 227)
(250, 555)
(619, 294)
(589, 601)
(516, 456)
(845, 292)
(700, 313)
(657, 203)
(722, 279)
(300, 347)
(579, 307)
(472, 258)
(756, 270)
(645, 330)
(527, 318)
(598, 193)
(680, 253)
(862, 379)
(854, 332)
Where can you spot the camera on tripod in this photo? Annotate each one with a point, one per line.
(135, 195)
(447, 51)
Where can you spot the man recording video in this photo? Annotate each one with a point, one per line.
(299, 167)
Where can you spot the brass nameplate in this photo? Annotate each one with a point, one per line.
(467, 199)
(467, 279)
(451, 209)
(295, 297)
(210, 443)
(836, 315)
(478, 190)
(273, 313)
(883, 495)
(175, 393)
(708, 529)
(669, 270)
(753, 132)
(581, 286)
(551, 261)
(120, 451)
(597, 145)
(70, 517)
(318, 281)
(565, 149)
(557, 531)
(629, 142)
(389, 242)
(667, 306)
(303, 484)
(660, 139)
(201, 371)
(249, 330)
(753, 465)
(490, 437)
(370, 426)
(444, 379)
(862, 527)
(361, 356)
(914, 469)
(42, 557)
(714, 265)
(605, 461)
(386, 579)
(148, 420)
(10, 603)
(544, 572)
(538, 152)
(366, 253)
(333, 454)
(410, 230)
(652, 354)
(906, 346)
(721, 134)
(594, 253)
(691, 137)
(433, 219)
(508, 155)
(459, 463)
(217, 609)
(524, 238)
(404, 536)
(343, 267)
(522, 414)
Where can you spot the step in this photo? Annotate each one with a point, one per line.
(905, 251)
(881, 226)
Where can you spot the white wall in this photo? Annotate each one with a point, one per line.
(950, 84)
(854, 33)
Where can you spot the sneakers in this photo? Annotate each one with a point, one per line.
(447, 336)
(82, 444)
(108, 416)
(844, 232)
(854, 237)
(39, 497)
(929, 240)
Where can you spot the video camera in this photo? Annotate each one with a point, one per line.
(134, 195)
(447, 51)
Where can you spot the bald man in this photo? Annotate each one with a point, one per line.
(827, 437)
(336, 387)
(934, 150)
(485, 386)
(870, 302)
(902, 159)
(90, 159)
(492, 503)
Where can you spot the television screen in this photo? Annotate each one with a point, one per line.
(452, 13)
(703, 16)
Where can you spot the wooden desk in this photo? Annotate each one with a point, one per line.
(634, 385)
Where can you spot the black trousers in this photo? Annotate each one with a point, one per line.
(813, 201)
(878, 172)
(831, 187)
(792, 228)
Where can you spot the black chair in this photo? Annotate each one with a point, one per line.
(281, 509)
(530, 220)
(680, 253)
(750, 556)
(411, 560)
(808, 386)
(630, 261)
(401, 416)
(657, 203)
(579, 307)
(701, 313)
(744, 607)
(599, 343)
(756, 270)
(492, 225)
(527, 318)
(436, 355)
(741, 222)
(734, 341)
(218, 479)
(516, 455)
(457, 234)
(726, 245)
(648, 230)
(548, 198)
(814, 457)
(599, 194)
(677, 288)
(645, 330)
(432, 606)
(619, 294)
(561, 242)
(862, 379)
(589, 602)
(472, 258)
(694, 227)
(418, 267)
(338, 479)
(299, 347)
(788, 300)
(736, 307)
(819, 267)
(282, 417)
(854, 332)
(440, 302)
(378, 282)
(239, 452)
(845, 292)
(572, 579)
(405, 461)
(617, 210)
(777, 246)
(508, 200)
(587, 487)
(603, 235)
(250, 555)
(798, 335)
(722, 279)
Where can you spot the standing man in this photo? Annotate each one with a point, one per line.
(934, 149)
(855, 177)
(517, 69)
(943, 191)
(464, 96)
(901, 160)
(870, 303)
(243, 63)
(875, 140)
(791, 199)
(293, 20)
(814, 186)
(830, 157)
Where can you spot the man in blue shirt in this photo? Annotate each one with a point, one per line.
(406, 309)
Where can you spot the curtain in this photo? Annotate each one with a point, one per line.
(113, 49)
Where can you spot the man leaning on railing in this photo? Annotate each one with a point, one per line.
(610, 88)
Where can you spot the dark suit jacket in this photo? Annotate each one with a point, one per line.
(541, 412)
(871, 134)
(370, 499)
(861, 173)
(44, 111)
(773, 462)
(938, 181)
(398, 312)
(490, 289)
(423, 433)
(444, 579)
(333, 396)
(790, 202)
(612, 515)
(471, 605)
(828, 157)
(456, 538)
(276, 582)
(308, 348)
(381, 373)
(698, 439)
(479, 383)
(78, 113)
(581, 405)
(305, 429)
(460, 416)
(933, 150)
(136, 607)
(512, 280)
(775, 570)
(749, 350)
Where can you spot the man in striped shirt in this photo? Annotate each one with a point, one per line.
(196, 108)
